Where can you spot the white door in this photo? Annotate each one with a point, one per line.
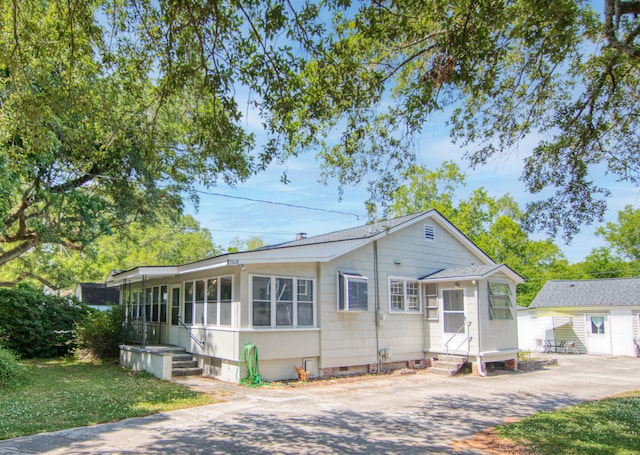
(598, 336)
(454, 329)
(174, 314)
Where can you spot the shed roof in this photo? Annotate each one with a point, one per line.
(472, 272)
(588, 293)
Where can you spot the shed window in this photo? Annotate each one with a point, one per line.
(500, 300)
(352, 292)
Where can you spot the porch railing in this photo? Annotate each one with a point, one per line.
(463, 328)
(191, 334)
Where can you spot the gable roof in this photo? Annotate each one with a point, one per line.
(472, 272)
(588, 293)
(320, 248)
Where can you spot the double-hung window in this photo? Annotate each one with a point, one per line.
(403, 295)
(352, 292)
(499, 300)
(282, 301)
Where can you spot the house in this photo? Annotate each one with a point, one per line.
(603, 316)
(97, 295)
(397, 293)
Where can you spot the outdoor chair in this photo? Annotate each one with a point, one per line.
(571, 346)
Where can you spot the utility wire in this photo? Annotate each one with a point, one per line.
(244, 198)
(284, 204)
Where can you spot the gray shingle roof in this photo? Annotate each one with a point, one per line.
(359, 232)
(588, 293)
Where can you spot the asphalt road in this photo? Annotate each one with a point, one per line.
(393, 414)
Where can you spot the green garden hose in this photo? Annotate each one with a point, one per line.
(250, 357)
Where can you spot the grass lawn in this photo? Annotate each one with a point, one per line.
(66, 393)
(610, 426)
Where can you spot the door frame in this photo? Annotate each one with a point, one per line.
(605, 339)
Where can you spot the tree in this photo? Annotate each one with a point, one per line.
(168, 242)
(491, 223)
(252, 243)
(112, 111)
(506, 70)
(624, 236)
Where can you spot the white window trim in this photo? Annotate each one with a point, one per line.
(348, 276)
(445, 312)
(205, 301)
(405, 306)
(425, 301)
(273, 302)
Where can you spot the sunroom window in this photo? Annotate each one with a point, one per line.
(500, 300)
(352, 292)
(282, 301)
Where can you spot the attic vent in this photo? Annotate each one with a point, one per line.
(429, 233)
(301, 235)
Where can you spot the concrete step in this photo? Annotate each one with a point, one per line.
(184, 364)
(446, 365)
(181, 356)
(441, 371)
(186, 371)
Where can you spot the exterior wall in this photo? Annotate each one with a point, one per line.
(280, 350)
(575, 326)
(354, 338)
(499, 337)
(622, 338)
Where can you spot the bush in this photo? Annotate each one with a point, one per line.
(12, 375)
(100, 333)
(37, 325)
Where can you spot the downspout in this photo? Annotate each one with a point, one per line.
(478, 317)
(376, 303)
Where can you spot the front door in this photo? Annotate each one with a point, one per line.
(453, 321)
(598, 336)
(174, 314)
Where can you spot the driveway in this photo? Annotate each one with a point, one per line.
(401, 414)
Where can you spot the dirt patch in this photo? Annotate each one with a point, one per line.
(489, 442)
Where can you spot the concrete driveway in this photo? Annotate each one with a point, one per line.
(416, 413)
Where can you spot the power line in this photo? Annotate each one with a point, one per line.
(244, 198)
(284, 204)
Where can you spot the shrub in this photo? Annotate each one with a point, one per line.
(12, 375)
(100, 333)
(37, 325)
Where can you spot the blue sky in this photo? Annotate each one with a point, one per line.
(229, 217)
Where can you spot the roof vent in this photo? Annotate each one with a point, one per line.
(301, 235)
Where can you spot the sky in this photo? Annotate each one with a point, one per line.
(275, 212)
(229, 215)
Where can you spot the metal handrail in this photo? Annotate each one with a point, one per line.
(191, 334)
(467, 339)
